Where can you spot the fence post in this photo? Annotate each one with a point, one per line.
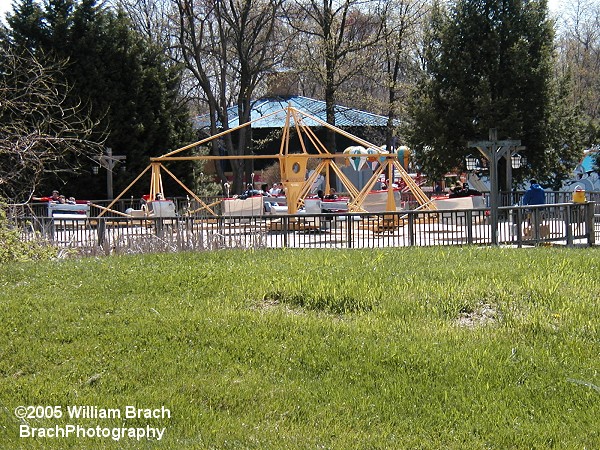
(519, 228)
(349, 226)
(569, 231)
(158, 227)
(589, 220)
(411, 228)
(101, 228)
(535, 225)
(469, 225)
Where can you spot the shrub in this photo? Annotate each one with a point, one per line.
(13, 248)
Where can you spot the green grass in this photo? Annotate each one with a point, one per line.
(311, 349)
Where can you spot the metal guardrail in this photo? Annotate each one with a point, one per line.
(568, 224)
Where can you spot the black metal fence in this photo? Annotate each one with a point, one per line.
(568, 224)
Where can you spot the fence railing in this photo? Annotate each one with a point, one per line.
(186, 204)
(566, 224)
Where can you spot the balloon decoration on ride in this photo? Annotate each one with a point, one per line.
(373, 159)
(403, 156)
(357, 162)
(372, 156)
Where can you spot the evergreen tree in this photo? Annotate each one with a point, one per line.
(124, 80)
(489, 65)
(26, 26)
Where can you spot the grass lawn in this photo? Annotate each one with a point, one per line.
(432, 348)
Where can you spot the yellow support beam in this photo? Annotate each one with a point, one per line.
(293, 165)
(189, 191)
(118, 197)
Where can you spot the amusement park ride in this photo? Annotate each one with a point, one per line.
(293, 167)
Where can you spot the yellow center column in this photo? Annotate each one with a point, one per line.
(293, 172)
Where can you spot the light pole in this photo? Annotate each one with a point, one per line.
(494, 150)
(109, 161)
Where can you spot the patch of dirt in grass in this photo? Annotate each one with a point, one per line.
(326, 302)
(270, 304)
(482, 315)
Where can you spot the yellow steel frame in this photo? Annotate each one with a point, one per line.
(292, 166)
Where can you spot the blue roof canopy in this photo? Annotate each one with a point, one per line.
(344, 117)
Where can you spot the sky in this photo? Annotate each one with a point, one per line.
(6, 5)
(553, 5)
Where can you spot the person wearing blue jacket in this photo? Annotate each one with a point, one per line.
(535, 195)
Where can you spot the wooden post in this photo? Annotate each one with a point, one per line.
(493, 150)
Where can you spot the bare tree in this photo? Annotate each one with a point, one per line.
(41, 133)
(251, 26)
(579, 53)
(150, 18)
(402, 25)
(228, 46)
(334, 33)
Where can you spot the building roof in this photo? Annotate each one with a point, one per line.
(344, 116)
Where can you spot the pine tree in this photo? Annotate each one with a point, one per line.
(127, 84)
(26, 26)
(489, 65)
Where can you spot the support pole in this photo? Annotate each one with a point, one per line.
(390, 205)
(109, 161)
(494, 150)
